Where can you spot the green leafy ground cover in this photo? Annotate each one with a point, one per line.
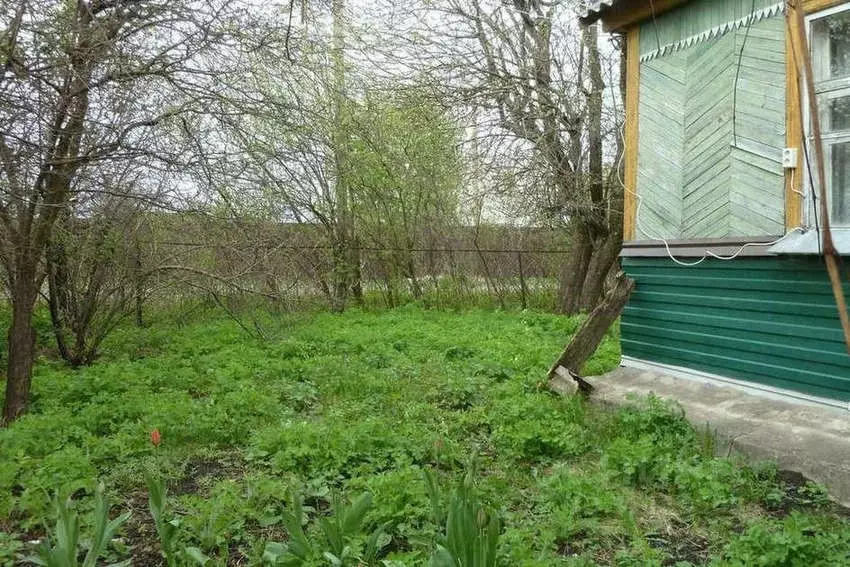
(393, 406)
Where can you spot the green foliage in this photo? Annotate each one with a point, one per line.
(400, 501)
(62, 548)
(656, 447)
(403, 166)
(340, 539)
(167, 525)
(536, 426)
(364, 402)
(583, 495)
(813, 494)
(10, 548)
(471, 534)
(795, 541)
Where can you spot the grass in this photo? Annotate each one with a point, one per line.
(394, 405)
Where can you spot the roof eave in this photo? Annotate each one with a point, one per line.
(595, 10)
(617, 15)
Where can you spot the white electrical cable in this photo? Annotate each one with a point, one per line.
(804, 214)
(707, 253)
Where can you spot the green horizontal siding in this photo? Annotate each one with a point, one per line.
(772, 321)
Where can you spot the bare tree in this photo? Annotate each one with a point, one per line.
(404, 175)
(293, 145)
(86, 83)
(537, 77)
(92, 273)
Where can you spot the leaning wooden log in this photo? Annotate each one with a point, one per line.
(590, 334)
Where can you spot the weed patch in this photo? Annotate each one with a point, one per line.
(346, 439)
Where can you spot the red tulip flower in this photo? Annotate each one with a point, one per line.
(155, 437)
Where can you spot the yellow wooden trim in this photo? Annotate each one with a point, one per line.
(631, 131)
(810, 6)
(794, 113)
(793, 128)
(619, 18)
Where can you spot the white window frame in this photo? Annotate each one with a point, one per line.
(834, 87)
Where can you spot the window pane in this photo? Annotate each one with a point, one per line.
(839, 182)
(831, 46)
(834, 113)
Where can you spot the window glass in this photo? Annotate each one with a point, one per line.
(831, 46)
(830, 40)
(834, 112)
(839, 161)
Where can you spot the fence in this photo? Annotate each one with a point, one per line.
(492, 266)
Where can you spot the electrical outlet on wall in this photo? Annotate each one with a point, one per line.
(789, 158)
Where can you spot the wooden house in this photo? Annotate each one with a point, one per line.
(722, 232)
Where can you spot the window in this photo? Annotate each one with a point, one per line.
(830, 38)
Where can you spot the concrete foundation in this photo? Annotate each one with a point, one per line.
(806, 438)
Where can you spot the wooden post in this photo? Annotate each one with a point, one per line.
(630, 134)
(590, 334)
(793, 128)
(522, 287)
(800, 45)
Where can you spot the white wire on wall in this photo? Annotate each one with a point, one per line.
(748, 21)
(708, 253)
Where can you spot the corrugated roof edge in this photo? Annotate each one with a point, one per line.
(594, 8)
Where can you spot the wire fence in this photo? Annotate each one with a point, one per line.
(502, 267)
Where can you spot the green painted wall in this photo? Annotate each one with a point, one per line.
(663, 90)
(767, 320)
(694, 19)
(711, 133)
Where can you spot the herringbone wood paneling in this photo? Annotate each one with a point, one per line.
(712, 129)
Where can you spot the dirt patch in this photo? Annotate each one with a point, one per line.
(567, 548)
(236, 558)
(680, 546)
(198, 475)
(140, 533)
(800, 493)
(201, 473)
(602, 546)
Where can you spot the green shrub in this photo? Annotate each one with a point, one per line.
(535, 426)
(471, 535)
(662, 421)
(797, 540)
(339, 538)
(62, 546)
(638, 462)
(705, 485)
(400, 500)
(583, 494)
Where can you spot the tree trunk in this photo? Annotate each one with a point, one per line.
(355, 273)
(340, 279)
(56, 318)
(599, 224)
(388, 280)
(324, 288)
(523, 289)
(411, 275)
(21, 344)
(57, 294)
(604, 257)
(574, 270)
(138, 281)
(590, 334)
